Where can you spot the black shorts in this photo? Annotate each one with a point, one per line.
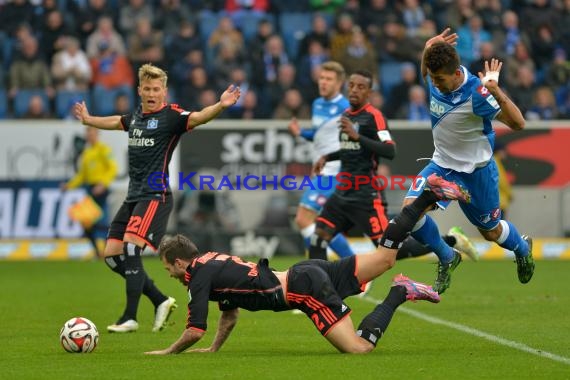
(146, 219)
(340, 215)
(318, 287)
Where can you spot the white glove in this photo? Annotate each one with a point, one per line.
(491, 75)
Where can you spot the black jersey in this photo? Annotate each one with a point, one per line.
(355, 159)
(152, 139)
(233, 283)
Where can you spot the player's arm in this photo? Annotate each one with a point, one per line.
(101, 122)
(510, 114)
(188, 338)
(228, 98)
(381, 147)
(226, 324)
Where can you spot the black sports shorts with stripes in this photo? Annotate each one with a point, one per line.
(146, 219)
(318, 287)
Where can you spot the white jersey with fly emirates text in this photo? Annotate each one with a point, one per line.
(463, 135)
(325, 121)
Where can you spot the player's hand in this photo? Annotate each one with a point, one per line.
(294, 127)
(81, 112)
(490, 78)
(443, 37)
(319, 165)
(347, 126)
(230, 96)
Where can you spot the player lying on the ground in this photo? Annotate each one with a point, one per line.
(316, 287)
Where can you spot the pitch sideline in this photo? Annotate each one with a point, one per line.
(477, 333)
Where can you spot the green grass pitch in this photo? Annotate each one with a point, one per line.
(488, 326)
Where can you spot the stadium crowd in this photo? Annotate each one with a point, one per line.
(56, 52)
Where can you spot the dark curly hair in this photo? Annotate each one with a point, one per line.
(442, 56)
(177, 247)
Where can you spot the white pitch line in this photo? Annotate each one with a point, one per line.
(478, 333)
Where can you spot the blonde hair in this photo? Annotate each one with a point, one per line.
(149, 71)
(336, 68)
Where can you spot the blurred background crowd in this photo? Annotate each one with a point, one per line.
(56, 52)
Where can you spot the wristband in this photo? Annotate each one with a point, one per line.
(490, 75)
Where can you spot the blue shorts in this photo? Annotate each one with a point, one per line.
(324, 187)
(483, 184)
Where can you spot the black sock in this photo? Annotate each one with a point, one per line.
(117, 265)
(412, 248)
(375, 324)
(318, 248)
(135, 278)
(450, 240)
(90, 235)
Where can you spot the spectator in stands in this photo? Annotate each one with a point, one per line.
(400, 92)
(486, 53)
(227, 59)
(544, 105)
(490, 12)
(375, 15)
(523, 92)
(536, 13)
(292, 106)
(122, 105)
(180, 73)
(558, 74)
(510, 34)
(238, 9)
(521, 58)
(458, 13)
(105, 34)
(255, 46)
(264, 71)
(189, 97)
(181, 43)
(130, 14)
(70, 68)
(316, 56)
(15, 13)
(88, 18)
(112, 74)
(543, 45)
(393, 44)
(171, 15)
(238, 77)
(251, 109)
(416, 108)
(37, 109)
(413, 15)
(274, 92)
(358, 54)
(53, 34)
(145, 44)
(563, 26)
(319, 32)
(341, 35)
(30, 72)
(471, 36)
(225, 32)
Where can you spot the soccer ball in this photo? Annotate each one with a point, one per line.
(79, 335)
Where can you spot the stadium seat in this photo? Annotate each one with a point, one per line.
(390, 74)
(208, 22)
(64, 100)
(293, 27)
(3, 104)
(22, 101)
